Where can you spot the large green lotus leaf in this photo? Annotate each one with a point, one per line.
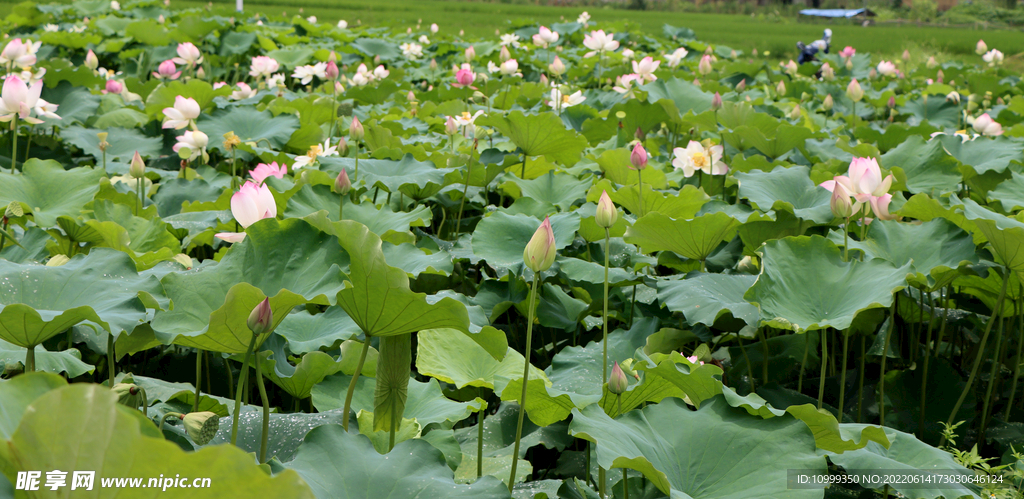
(805, 285)
(678, 96)
(123, 142)
(297, 380)
(48, 191)
(592, 272)
(925, 208)
(425, 403)
(1006, 235)
(38, 302)
(313, 198)
(308, 333)
(695, 238)
(784, 139)
(690, 454)
(450, 356)
(417, 179)
(929, 168)
(909, 456)
(932, 248)
(344, 465)
(684, 203)
(113, 442)
(16, 394)
(829, 436)
(561, 190)
(176, 191)
(703, 298)
(290, 57)
(636, 114)
(786, 189)
(381, 439)
(163, 96)
(415, 261)
(76, 104)
(145, 234)
(985, 154)
(680, 378)
(1010, 193)
(249, 125)
(500, 238)
(290, 261)
(617, 167)
(538, 135)
(68, 361)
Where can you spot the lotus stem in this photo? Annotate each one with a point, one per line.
(750, 367)
(355, 175)
(341, 209)
(1016, 364)
(640, 189)
(480, 417)
(145, 403)
(945, 317)
(138, 188)
(352, 383)
(526, 378)
(3, 239)
(465, 191)
(266, 410)
(625, 484)
(993, 378)
(242, 385)
(885, 356)
(764, 361)
(111, 368)
(601, 478)
(824, 363)
(199, 375)
(927, 359)
(803, 364)
(604, 364)
(846, 240)
(168, 416)
(977, 360)
(14, 143)
(842, 375)
(30, 359)
(860, 374)
(234, 167)
(524, 167)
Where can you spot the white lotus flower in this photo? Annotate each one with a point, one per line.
(51, 28)
(599, 41)
(244, 91)
(676, 57)
(646, 68)
(306, 73)
(510, 39)
(412, 50)
(696, 157)
(188, 55)
(560, 101)
(196, 142)
(465, 120)
(343, 24)
(263, 66)
(182, 114)
(993, 57)
(545, 37)
(315, 152)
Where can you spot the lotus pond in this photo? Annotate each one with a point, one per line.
(299, 259)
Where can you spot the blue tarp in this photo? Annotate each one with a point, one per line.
(836, 12)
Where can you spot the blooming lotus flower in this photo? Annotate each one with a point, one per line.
(263, 66)
(411, 50)
(696, 157)
(584, 18)
(627, 54)
(434, 28)
(196, 141)
(847, 52)
(244, 91)
(880, 206)
(249, 205)
(993, 57)
(598, 41)
(276, 80)
(380, 72)
(263, 171)
(863, 180)
(167, 70)
(510, 68)
(557, 67)
(645, 68)
(188, 55)
(704, 66)
(115, 5)
(492, 67)
(790, 67)
(886, 68)
(19, 53)
(51, 28)
(540, 252)
(676, 57)
(827, 73)
(306, 73)
(311, 19)
(854, 91)
(424, 40)
(693, 359)
(182, 114)
(360, 79)
(315, 152)
(545, 37)
(985, 125)
(624, 84)
(510, 39)
(342, 24)
(20, 100)
(980, 48)
(465, 120)
(560, 102)
(606, 215)
(464, 78)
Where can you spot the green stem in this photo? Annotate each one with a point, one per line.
(168, 416)
(803, 364)
(750, 367)
(764, 361)
(602, 478)
(846, 240)
(30, 359)
(885, 356)
(526, 378)
(640, 189)
(993, 378)
(138, 189)
(824, 363)
(524, 167)
(625, 484)
(145, 403)
(352, 383)
(234, 168)
(355, 176)
(3, 238)
(860, 374)
(266, 410)
(28, 143)
(1016, 364)
(977, 360)
(242, 378)
(341, 209)
(111, 368)
(842, 375)
(481, 416)
(604, 365)
(465, 192)
(199, 374)
(14, 143)
(927, 359)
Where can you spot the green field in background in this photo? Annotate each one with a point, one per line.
(737, 31)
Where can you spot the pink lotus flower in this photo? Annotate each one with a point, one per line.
(263, 171)
(557, 66)
(19, 99)
(847, 52)
(249, 205)
(113, 87)
(865, 183)
(598, 41)
(182, 114)
(693, 359)
(464, 78)
(167, 70)
(880, 206)
(985, 125)
(545, 37)
(19, 53)
(263, 66)
(244, 91)
(188, 55)
(645, 68)
(886, 68)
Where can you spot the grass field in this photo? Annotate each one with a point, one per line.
(741, 32)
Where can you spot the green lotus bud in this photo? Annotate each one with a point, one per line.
(606, 215)
(826, 105)
(57, 260)
(540, 251)
(356, 130)
(617, 382)
(201, 426)
(261, 318)
(138, 167)
(747, 265)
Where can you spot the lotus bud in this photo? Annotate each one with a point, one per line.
(138, 167)
(872, 74)
(356, 129)
(57, 261)
(906, 56)
(780, 89)
(940, 76)
(606, 215)
(543, 80)
(128, 394)
(747, 265)
(114, 87)
(980, 48)
(840, 203)
(753, 53)
(103, 145)
(201, 73)
(332, 57)
(91, 61)
(470, 54)
(540, 252)
(795, 113)
(557, 67)
(704, 66)
(261, 318)
(742, 85)
(433, 64)
(332, 71)
(716, 102)
(638, 157)
(201, 426)
(827, 73)
(849, 63)
(931, 62)
(826, 105)
(504, 55)
(617, 382)
(342, 184)
(450, 127)
(854, 92)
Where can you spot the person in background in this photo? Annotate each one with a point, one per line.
(807, 52)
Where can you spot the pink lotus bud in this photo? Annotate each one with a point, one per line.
(342, 184)
(638, 157)
(91, 61)
(114, 87)
(980, 48)
(780, 89)
(464, 77)
(606, 215)
(332, 70)
(433, 64)
(261, 318)
(704, 66)
(906, 55)
(543, 80)
(840, 203)
(137, 169)
(854, 92)
(540, 252)
(939, 76)
(931, 62)
(617, 382)
(167, 69)
(892, 102)
(356, 129)
(201, 73)
(826, 105)
(827, 72)
(470, 54)
(716, 102)
(742, 85)
(557, 67)
(504, 55)
(450, 127)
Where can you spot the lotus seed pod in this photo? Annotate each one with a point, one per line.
(201, 426)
